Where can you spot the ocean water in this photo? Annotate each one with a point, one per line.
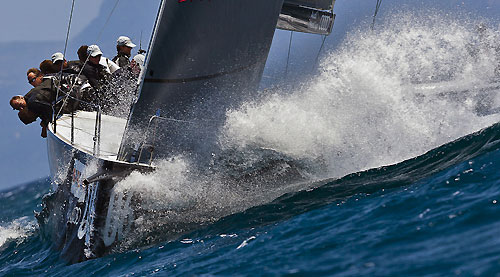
(433, 215)
(398, 151)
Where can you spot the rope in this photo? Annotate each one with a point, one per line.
(377, 7)
(319, 52)
(107, 20)
(86, 60)
(67, 33)
(65, 47)
(288, 58)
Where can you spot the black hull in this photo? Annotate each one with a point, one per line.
(74, 215)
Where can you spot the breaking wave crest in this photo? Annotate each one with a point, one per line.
(380, 98)
(17, 230)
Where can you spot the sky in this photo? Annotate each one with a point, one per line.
(50, 16)
(33, 30)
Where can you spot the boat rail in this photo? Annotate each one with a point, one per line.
(146, 150)
(97, 126)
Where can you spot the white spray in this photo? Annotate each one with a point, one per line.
(366, 109)
(18, 230)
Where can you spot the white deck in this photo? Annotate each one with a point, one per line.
(112, 129)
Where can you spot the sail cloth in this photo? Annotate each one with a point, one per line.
(313, 4)
(204, 57)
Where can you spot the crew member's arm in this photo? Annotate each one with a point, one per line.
(42, 110)
(44, 130)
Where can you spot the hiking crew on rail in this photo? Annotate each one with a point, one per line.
(62, 87)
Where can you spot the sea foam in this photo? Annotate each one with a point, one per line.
(17, 230)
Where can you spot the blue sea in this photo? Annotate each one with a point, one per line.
(433, 215)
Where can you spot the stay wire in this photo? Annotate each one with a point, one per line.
(377, 7)
(319, 51)
(288, 57)
(86, 60)
(107, 20)
(66, 44)
(67, 33)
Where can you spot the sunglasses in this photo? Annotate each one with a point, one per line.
(31, 80)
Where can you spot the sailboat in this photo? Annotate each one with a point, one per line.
(204, 56)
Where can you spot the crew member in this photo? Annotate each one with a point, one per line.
(48, 68)
(60, 62)
(124, 48)
(96, 73)
(39, 104)
(35, 76)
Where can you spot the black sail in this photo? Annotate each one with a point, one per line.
(205, 56)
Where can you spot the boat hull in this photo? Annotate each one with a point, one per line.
(75, 215)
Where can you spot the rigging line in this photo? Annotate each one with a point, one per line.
(288, 57)
(66, 44)
(319, 52)
(67, 33)
(86, 61)
(377, 7)
(107, 20)
(72, 86)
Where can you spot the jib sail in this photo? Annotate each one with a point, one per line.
(204, 57)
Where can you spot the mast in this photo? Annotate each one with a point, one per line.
(205, 56)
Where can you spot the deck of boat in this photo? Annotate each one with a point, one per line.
(112, 129)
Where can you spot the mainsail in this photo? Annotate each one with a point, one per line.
(204, 56)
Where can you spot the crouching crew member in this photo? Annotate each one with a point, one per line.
(38, 104)
(59, 95)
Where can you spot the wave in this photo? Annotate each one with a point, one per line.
(213, 205)
(17, 230)
(325, 192)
